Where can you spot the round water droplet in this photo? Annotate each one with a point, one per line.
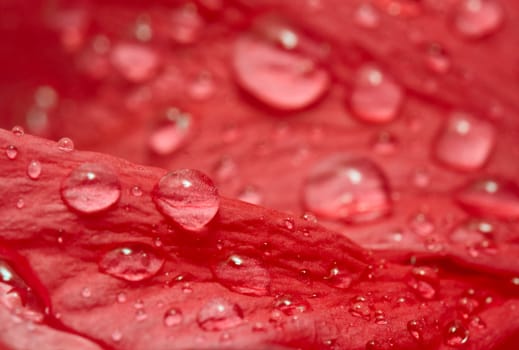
(188, 197)
(456, 334)
(91, 188)
(415, 328)
(117, 336)
(359, 308)
(475, 19)
(136, 63)
(465, 142)
(20, 203)
(437, 59)
(219, 314)
(243, 275)
(186, 25)
(134, 262)
(11, 152)
(86, 292)
(136, 191)
(34, 169)
(491, 197)
(18, 130)
(171, 134)
(353, 190)
(65, 144)
(291, 304)
(367, 16)
(173, 317)
(280, 78)
(376, 97)
(340, 278)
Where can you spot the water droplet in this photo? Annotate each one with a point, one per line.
(243, 275)
(476, 235)
(172, 133)
(465, 142)
(34, 169)
(282, 79)
(380, 317)
(18, 131)
(423, 281)
(475, 19)
(477, 322)
(225, 169)
(291, 304)
(20, 203)
(415, 329)
(437, 59)
(456, 334)
(385, 143)
(353, 190)
(141, 315)
(186, 25)
(219, 314)
(359, 308)
(143, 30)
(422, 225)
(490, 197)
(65, 144)
(367, 16)
(86, 292)
(250, 194)
(11, 152)
(376, 97)
(91, 188)
(188, 197)
(117, 336)
(136, 191)
(135, 62)
(340, 278)
(173, 317)
(134, 262)
(202, 87)
(122, 298)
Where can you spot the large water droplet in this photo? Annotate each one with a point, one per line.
(219, 314)
(491, 197)
(91, 188)
(243, 275)
(456, 334)
(188, 197)
(173, 317)
(11, 152)
(134, 262)
(134, 62)
(278, 77)
(171, 134)
(291, 304)
(353, 190)
(65, 144)
(465, 142)
(376, 97)
(34, 169)
(478, 18)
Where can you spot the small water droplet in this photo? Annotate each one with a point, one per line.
(172, 133)
(353, 190)
(143, 30)
(122, 298)
(136, 191)
(117, 336)
(291, 304)
(415, 329)
(385, 143)
(219, 314)
(422, 225)
(135, 62)
(20, 203)
(45, 97)
(173, 317)
(456, 334)
(250, 194)
(18, 131)
(476, 235)
(188, 197)
(134, 262)
(437, 59)
(11, 152)
(465, 142)
(380, 317)
(86, 292)
(91, 188)
(65, 144)
(141, 315)
(475, 19)
(34, 169)
(186, 25)
(477, 322)
(202, 87)
(359, 308)
(243, 275)
(367, 16)
(376, 97)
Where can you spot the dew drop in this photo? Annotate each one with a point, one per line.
(135, 262)
(135, 62)
(360, 308)
(339, 278)
(422, 225)
(136, 191)
(291, 304)
(465, 143)
(415, 329)
(172, 133)
(380, 317)
(18, 131)
(353, 190)
(490, 197)
(173, 317)
(243, 275)
(376, 97)
(20, 203)
(91, 188)
(218, 315)
(186, 25)
(188, 197)
(122, 298)
(475, 19)
(86, 292)
(117, 336)
(11, 152)
(141, 315)
(34, 169)
(65, 144)
(456, 334)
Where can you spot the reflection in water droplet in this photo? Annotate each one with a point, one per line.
(219, 314)
(475, 19)
(91, 188)
(353, 190)
(172, 133)
(173, 317)
(65, 144)
(456, 334)
(243, 275)
(376, 97)
(135, 262)
(11, 152)
(34, 169)
(188, 197)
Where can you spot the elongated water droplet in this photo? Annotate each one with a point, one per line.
(136, 63)
(243, 275)
(173, 317)
(18, 130)
(11, 152)
(456, 334)
(65, 144)
(171, 134)
(134, 262)
(376, 97)
(353, 190)
(34, 169)
(475, 19)
(280, 78)
(465, 142)
(219, 314)
(491, 197)
(188, 197)
(91, 188)
(291, 304)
